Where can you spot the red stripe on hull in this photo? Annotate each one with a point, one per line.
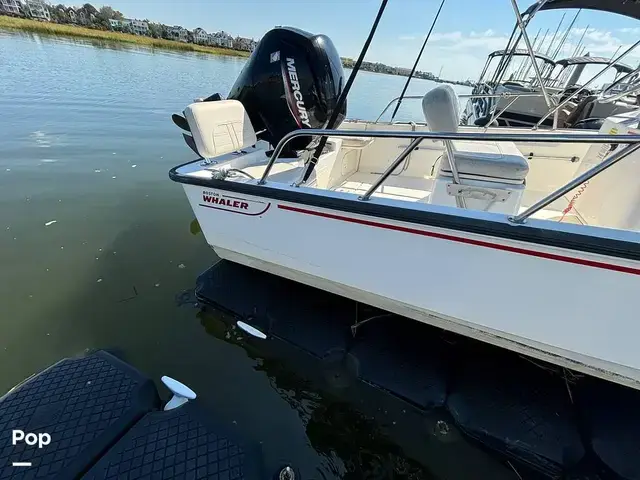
(469, 241)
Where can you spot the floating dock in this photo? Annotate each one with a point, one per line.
(547, 420)
(96, 417)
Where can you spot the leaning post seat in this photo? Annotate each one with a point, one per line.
(492, 174)
(220, 127)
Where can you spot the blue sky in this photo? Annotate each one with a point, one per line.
(466, 31)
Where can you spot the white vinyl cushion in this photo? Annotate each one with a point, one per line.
(441, 109)
(500, 160)
(219, 127)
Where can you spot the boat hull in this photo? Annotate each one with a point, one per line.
(569, 308)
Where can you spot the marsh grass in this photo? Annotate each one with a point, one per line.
(82, 32)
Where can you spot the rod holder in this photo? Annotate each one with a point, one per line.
(181, 393)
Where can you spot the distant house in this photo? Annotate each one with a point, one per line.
(178, 33)
(38, 9)
(221, 39)
(71, 13)
(200, 36)
(137, 27)
(10, 6)
(84, 17)
(246, 44)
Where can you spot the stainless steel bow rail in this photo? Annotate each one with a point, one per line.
(632, 141)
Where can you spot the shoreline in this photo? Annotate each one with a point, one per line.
(76, 31)
(47, 28)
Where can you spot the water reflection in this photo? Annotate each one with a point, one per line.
(353, 446)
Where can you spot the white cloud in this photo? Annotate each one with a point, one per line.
(486, 33)
(594, 35)
(464, 53)
(448, 36)
(634, 31)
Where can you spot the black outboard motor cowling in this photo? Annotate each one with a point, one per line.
(292, 80)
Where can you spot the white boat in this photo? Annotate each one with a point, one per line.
(542, 92)
(520, 102)
(528, 241)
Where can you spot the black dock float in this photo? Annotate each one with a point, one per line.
(96, 417)
(395, 356)
(612, 417)
(84, 404)
(312, 319)
(519, 409)
(179, 443)
(538, 417)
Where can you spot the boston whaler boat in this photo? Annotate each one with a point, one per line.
(528, 241)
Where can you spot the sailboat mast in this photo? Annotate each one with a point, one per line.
(553, 39)
(535, 59)
(525, 61)
(575, 52)
(566, 34)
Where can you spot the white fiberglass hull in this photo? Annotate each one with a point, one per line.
(570, 308)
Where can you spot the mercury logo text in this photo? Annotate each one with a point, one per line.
(297, 94)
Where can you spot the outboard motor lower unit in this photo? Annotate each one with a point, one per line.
(292, 80)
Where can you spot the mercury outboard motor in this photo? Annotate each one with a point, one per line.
(292, 80)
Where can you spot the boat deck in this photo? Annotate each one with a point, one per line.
(414, 189)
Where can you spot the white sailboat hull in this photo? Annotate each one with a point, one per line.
(567, 307)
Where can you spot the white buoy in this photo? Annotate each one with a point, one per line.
(181, 393)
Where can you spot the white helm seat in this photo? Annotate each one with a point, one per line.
(220, 127)
(490, 161)
(491, 174)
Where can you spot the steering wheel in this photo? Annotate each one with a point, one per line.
(567, 92)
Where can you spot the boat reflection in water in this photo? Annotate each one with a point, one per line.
(399, 399)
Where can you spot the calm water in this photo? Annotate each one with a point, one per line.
(86, 142)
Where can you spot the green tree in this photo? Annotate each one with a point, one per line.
(59, 14)
(90, 9)
(105, 12)
(155, 30)
(165, 32)
(103, 16)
